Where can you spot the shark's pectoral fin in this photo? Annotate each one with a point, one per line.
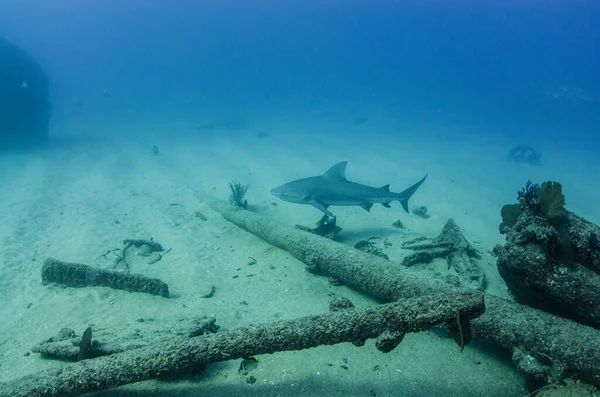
(366, 206)
(321, 207)
(386, 205)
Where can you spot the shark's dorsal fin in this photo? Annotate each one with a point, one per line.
(338, 171)
(386, 188)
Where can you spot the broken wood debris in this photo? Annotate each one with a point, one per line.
(533, 336)
(77, 275)
(187, 354)
(452, 245)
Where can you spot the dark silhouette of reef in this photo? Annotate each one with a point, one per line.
(524, 154)
(24, 97)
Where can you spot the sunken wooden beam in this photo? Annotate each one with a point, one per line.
(187, 354)
(546, 342)
(77, 275)
(379, 277)
(544, 346)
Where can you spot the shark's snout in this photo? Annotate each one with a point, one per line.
(284, 193)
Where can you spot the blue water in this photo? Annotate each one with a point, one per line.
(525, 70)
(462, 81)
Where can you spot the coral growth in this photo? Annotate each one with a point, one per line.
(546, 200)
(551, 201)
(238, 192)
(527, 197)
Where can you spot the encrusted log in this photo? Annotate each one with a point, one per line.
(377, 276)
(544, 346)
(187, 354)
(66, 344)
(77, 275)
(546, 341)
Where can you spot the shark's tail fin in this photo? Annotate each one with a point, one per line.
(406, 194)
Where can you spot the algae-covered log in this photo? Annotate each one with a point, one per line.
(187, 354)
(547, 341)
(544, 346)
(78, 275)
(66, 344)
(381, 278)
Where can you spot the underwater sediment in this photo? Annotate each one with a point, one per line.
(542, 344)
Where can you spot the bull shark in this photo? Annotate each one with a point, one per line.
(332, 188)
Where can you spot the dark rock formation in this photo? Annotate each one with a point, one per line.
(24, 103)
(551, 259)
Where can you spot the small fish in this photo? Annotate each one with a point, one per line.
(332, 188)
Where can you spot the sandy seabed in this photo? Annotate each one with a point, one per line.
(78, 199)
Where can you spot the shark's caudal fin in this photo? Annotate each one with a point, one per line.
(406, 194)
